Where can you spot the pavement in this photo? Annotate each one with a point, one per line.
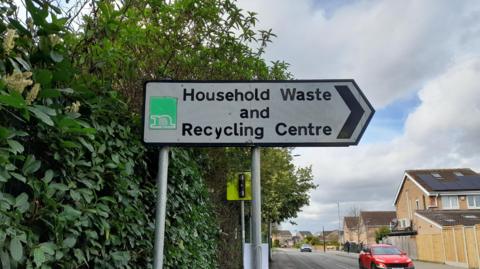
(294, 259)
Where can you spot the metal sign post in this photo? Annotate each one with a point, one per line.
(256, 210)
(161, 207)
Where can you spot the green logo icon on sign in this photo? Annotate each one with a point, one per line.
(163, 113)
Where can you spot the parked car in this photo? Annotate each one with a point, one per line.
(384, 256)
(306, 248)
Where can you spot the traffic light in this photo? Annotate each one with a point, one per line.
(241, 185)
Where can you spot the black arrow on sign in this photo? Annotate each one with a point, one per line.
(356, 112)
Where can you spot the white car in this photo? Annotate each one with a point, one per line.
(306, 248)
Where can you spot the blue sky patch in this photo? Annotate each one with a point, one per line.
(389, 122)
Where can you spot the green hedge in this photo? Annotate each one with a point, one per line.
(75, 191)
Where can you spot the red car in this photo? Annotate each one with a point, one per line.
(384, 256)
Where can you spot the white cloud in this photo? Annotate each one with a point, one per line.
(393, 49)
(442, 132)
(389, 47)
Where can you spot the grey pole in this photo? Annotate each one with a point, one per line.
(161, 207)
(242, 213)
(256, 210)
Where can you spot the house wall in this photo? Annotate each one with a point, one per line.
(349, 234)
(371, 235)
(424, 227)
(406, 204)
(367, 233)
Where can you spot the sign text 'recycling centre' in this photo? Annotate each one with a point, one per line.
(268, 113)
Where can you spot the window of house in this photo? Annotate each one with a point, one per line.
(437, 175)
(450, 202)
(417, 204)
(473, 201)
(458, 174)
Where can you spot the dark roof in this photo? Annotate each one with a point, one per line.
(305, 233)
(452, 217)
(283, 233)
(460, 179)
(351, 222)
(377, 218)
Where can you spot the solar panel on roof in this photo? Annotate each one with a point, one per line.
(459, 183)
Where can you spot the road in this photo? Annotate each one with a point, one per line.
(294, 259)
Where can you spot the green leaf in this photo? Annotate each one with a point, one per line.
(41, 115)
(38, 15)
(15, 65)
(67, 90)
(69, 213)
(24, 64)
(70, 144)
(46, 110)
(31, 165)
(21, 202)
(59, 186)
(5, 133)
(69, 242)
(20, 133)
(38, 257)
(48, 248)
(48, 176)
(19, 177)
(55, 56)
(16, 249)
(14, 99)
(4, 175)
(15, 146)
(22, 30)
(5, 260)
(79, 255)
(102, 149)
(86, 144)
(120, 258)
(44, 77)
(49, 93)
(75, 195)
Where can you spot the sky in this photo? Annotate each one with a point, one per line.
(418, 62)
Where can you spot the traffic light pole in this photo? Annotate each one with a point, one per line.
(161, 207)
(242, 212)
(256, 210)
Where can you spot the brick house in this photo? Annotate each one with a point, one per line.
(350, 229)
(371, 222)
(284, 237)
(438, 216)
(303, 234)
(362, 229)
(448, 192)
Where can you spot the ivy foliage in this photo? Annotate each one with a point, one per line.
(75, 191)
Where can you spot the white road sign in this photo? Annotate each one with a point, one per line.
(248, 113)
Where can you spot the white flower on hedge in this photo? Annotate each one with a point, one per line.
(33, 93)
(75, 107)
(54, 39)
(18, 81)
(9, 40)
